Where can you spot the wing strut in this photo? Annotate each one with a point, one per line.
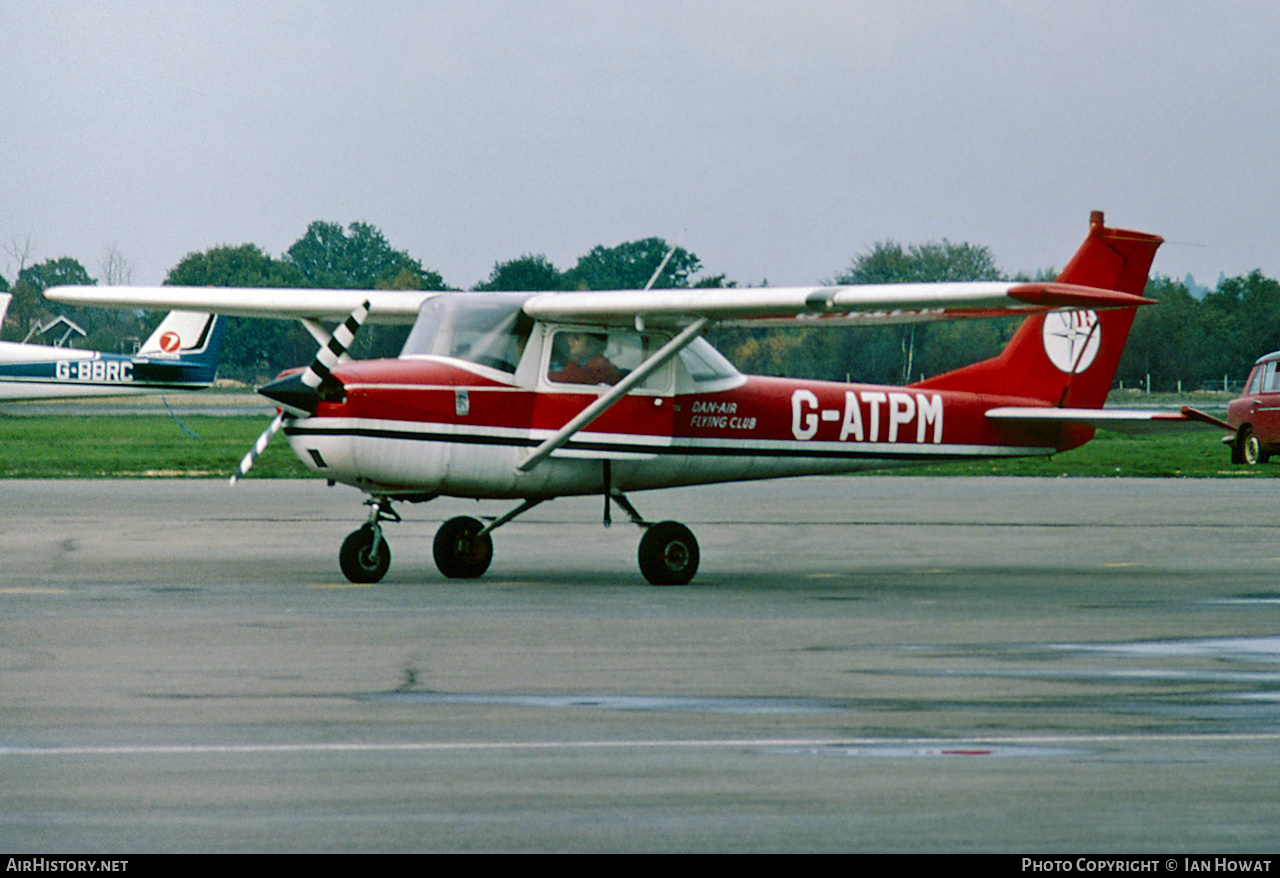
(619, 390)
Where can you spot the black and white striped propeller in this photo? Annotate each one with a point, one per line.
(300, 393)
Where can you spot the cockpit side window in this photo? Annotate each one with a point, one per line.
(603, 356)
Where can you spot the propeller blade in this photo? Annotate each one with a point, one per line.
(329, 354)
(258, 447)
(301, 392)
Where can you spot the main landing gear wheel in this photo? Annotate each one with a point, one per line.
(460, 551)
(668, 554)
(365, 556)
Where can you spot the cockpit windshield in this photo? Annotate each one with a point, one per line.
(484, 328)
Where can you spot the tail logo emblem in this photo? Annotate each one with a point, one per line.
(170, 342)
(1071, 339)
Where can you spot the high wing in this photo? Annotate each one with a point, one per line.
(1131, 421)
(385, 306)
(863, 303)
(880, 303)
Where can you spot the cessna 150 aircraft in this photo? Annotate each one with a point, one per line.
(182, 354)
(532, 396)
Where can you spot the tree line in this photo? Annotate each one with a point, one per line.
(1184, 342)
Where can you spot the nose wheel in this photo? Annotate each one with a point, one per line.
(365, 555)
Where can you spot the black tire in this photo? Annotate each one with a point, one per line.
(459, 552)
(1250, 448)
(668, 554)
(360, 560)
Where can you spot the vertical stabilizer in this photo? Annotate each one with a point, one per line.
(1068, 359)
(186, 334)
(187, 344)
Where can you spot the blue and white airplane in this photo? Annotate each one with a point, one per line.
(182, 354)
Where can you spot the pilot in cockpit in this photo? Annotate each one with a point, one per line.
(582, 360)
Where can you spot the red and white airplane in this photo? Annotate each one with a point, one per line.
(532, 396)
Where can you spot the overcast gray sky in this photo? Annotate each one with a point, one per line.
(777, 140)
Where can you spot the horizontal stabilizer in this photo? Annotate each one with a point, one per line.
(1131, 421)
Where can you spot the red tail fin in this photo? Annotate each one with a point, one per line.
(1068, 359)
